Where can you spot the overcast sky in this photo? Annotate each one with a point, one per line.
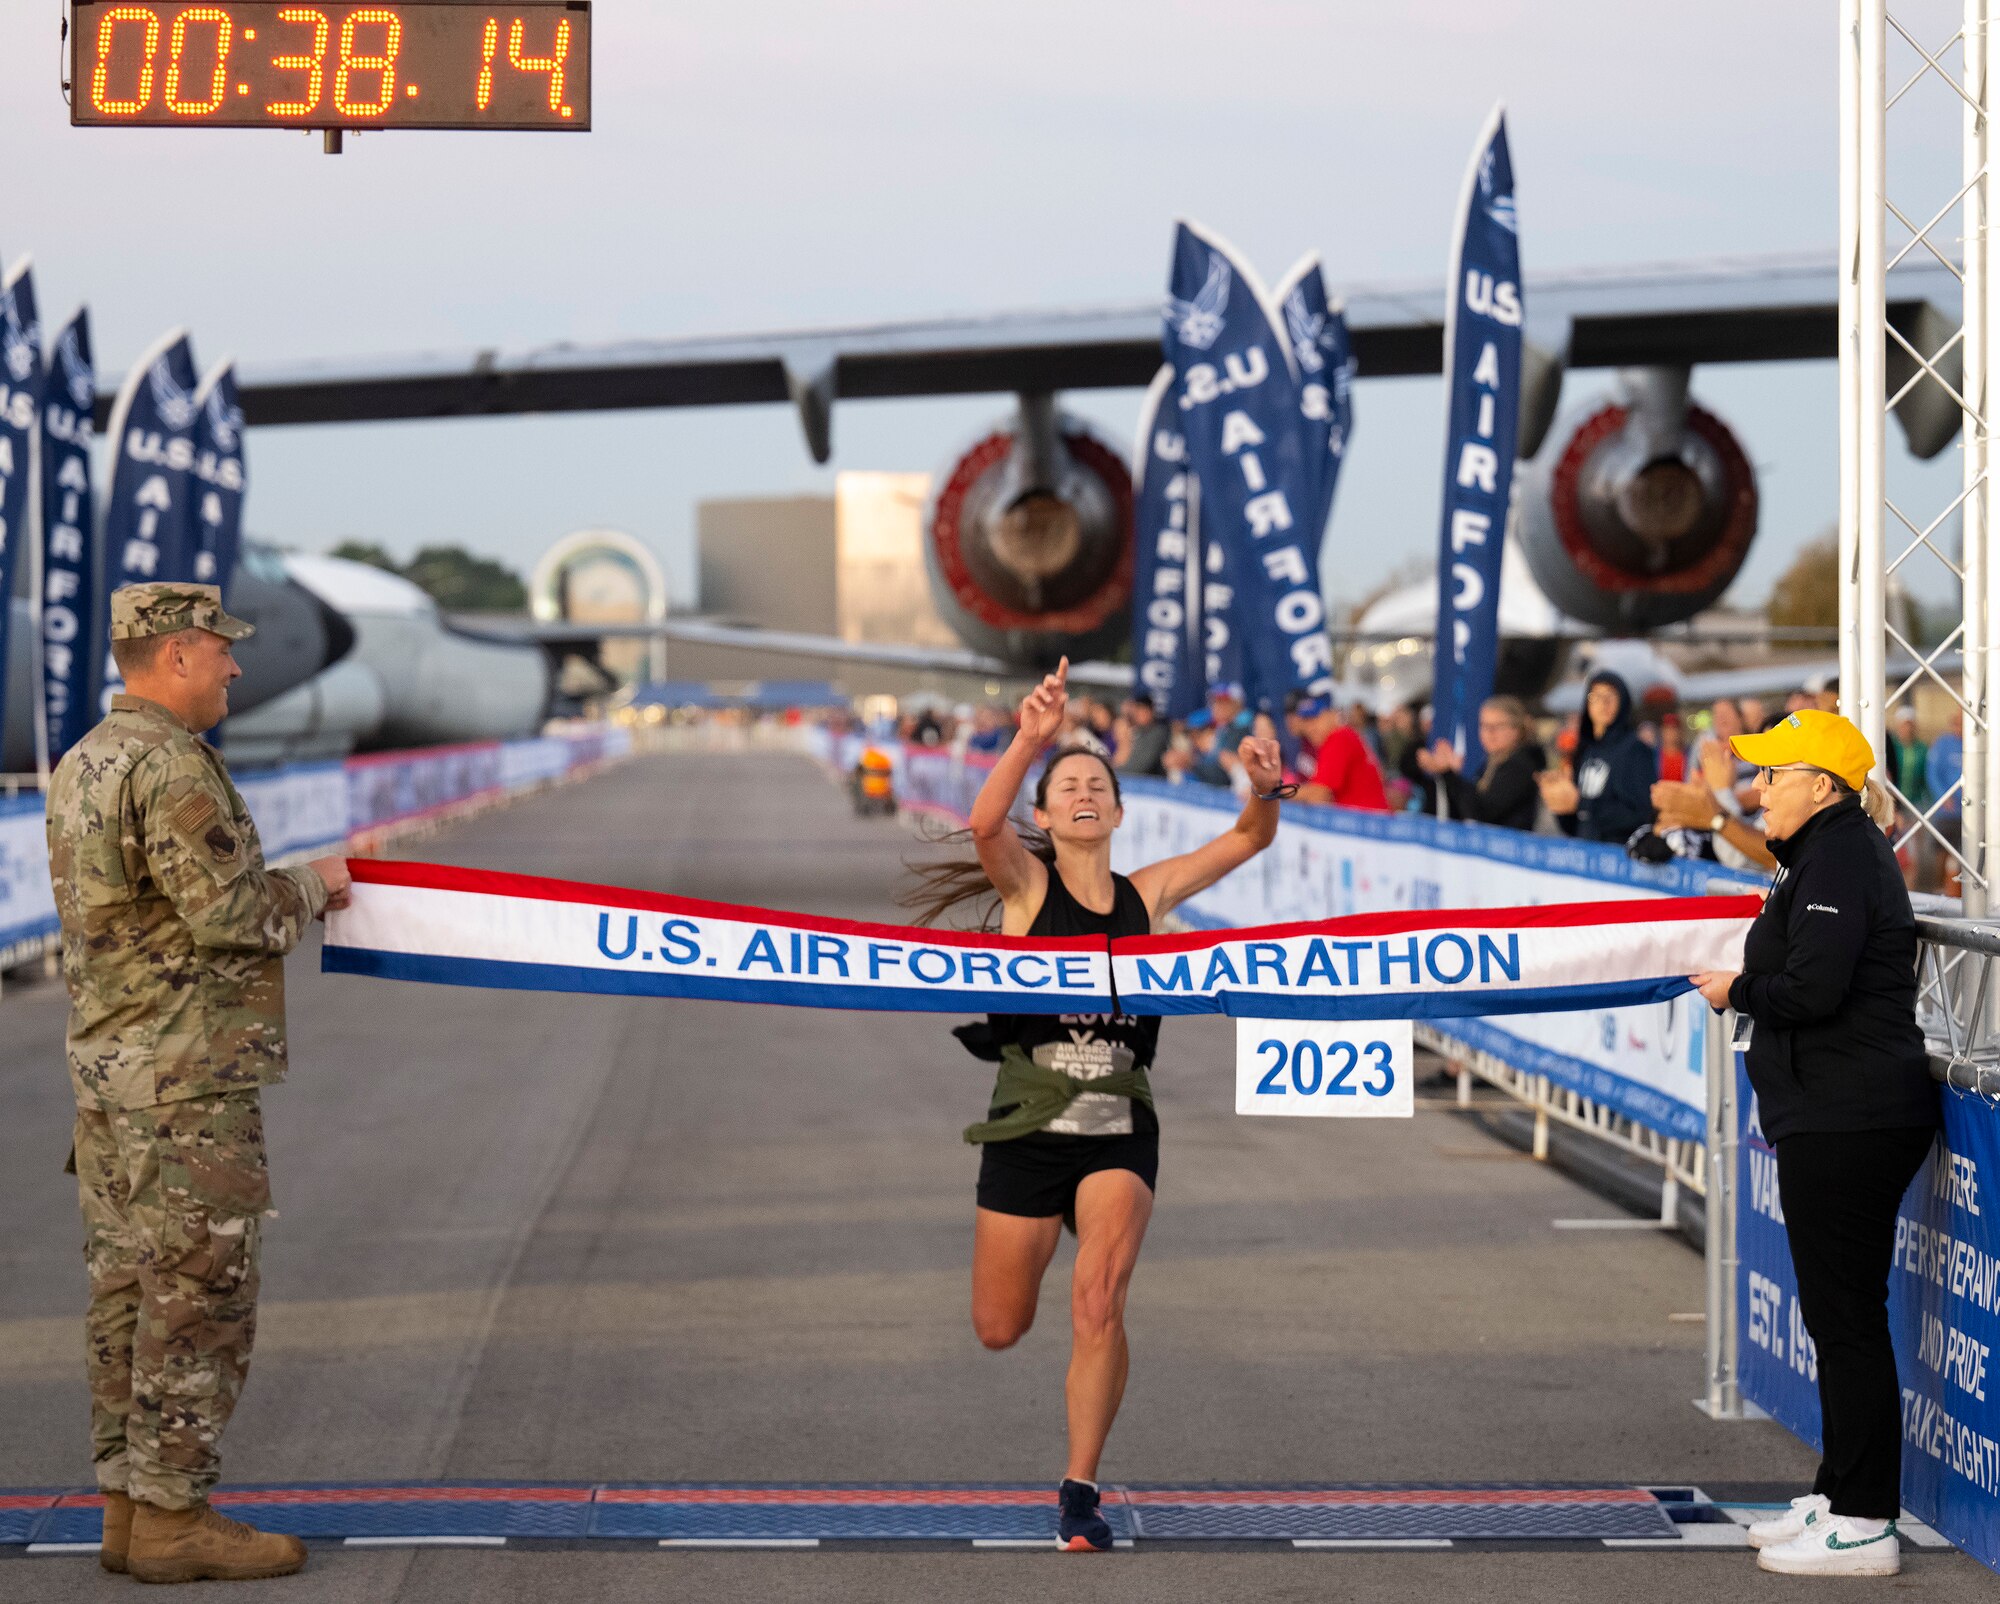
(779, 163)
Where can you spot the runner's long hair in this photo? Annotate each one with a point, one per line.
(954, 882)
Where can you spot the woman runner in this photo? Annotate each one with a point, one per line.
(1051, 1154)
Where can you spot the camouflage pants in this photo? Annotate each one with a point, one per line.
(172, 1202)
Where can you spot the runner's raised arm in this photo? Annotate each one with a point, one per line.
(1017, 874)
(1170, 882)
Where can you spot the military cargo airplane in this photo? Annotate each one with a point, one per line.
(1639, 506)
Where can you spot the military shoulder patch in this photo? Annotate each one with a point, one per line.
(222, 846)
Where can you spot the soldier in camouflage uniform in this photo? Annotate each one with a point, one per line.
(173, 937)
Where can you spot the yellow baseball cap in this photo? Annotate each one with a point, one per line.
(1823, 740)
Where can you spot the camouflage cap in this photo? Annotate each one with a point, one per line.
(160, 609)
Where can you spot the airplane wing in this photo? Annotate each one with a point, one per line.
(1746, 309)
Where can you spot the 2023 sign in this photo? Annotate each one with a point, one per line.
(1312, 1069)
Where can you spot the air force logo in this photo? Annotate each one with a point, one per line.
(17, 345)
(76, 372)
(1197, 324)
(224, 422)
(1307, 332)
(175, 404)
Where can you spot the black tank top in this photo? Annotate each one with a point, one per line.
(1084, 1045)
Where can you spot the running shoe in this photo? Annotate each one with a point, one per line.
(1804, 1514)
(1834, 1545)
(1080, 1529)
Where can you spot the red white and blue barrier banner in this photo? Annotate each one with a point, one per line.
(1437, 963)
(473, 927)
(1944, 1317)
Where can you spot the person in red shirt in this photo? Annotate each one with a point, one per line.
(1334, 764)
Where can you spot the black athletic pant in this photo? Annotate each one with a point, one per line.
(1840, 1190)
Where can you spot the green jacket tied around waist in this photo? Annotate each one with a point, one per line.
(1040, 1095)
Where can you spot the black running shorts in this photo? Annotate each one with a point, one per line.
(1037, 1175)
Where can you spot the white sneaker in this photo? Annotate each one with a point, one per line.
(1835, 1546)
(1804, 1513)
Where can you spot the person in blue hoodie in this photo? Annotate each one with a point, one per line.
(1608, 796)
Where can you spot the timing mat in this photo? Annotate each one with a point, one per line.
(798, 1512)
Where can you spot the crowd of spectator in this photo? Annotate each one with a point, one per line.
(1660, 781)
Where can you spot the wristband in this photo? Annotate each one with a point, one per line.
(1282, 793)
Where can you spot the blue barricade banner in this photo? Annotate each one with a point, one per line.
(1482, 352)
(219, 477)
(299, 809)
(307, 809)
(1166, 583)
(1944, 1315)
(20, 397)
(1325, 356)
(27, 905)
(72, 631)
(1238, 397)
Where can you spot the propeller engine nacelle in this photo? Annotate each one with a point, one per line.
(1639, 508)
(1028, 540)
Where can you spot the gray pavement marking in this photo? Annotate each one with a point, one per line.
(585, 1238)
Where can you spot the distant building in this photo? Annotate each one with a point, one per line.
(849, 566)
(769, 561)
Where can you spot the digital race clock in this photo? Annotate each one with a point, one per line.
(275, 64)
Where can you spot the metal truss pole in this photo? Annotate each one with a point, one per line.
(1982, 602)
(1976, 516)
(1877, 536)
(1861, 697)
(1850, 336)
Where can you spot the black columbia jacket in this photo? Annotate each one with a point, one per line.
(1829, 981)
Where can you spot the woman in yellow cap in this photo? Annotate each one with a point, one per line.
(1845, 1096)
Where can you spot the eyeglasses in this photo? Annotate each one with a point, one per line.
(1765, 774)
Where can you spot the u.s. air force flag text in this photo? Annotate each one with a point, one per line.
(1482, 334)
(1325, 355)
(20, 396)
(72, 632)
(1166, 583)
(148, 511)
(219, 476)
(1238, 395)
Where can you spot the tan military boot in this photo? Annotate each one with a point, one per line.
(200, 1545)
(117, 1531)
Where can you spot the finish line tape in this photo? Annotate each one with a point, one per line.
(474, 927)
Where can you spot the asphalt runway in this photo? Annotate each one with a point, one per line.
(588, 1238)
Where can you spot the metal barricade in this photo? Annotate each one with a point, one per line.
(1958, 1009)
